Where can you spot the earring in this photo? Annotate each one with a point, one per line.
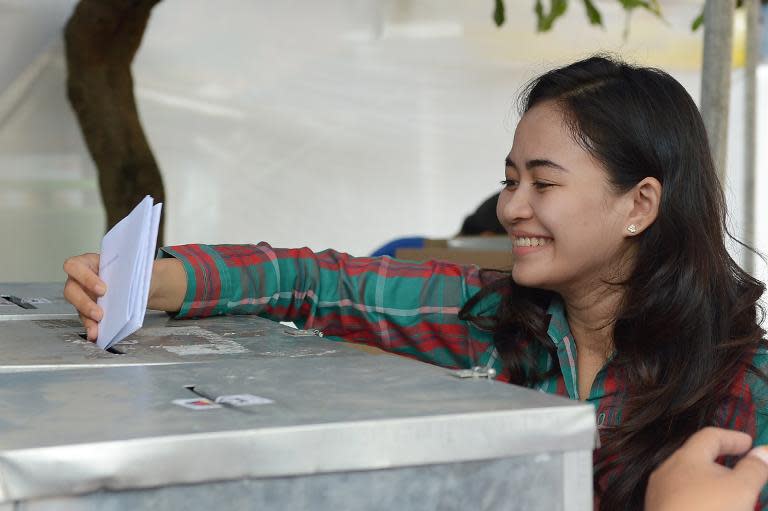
(632, 228)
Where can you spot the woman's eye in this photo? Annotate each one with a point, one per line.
(509, 183)
(541, 185)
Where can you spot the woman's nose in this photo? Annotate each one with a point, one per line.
(513, 206)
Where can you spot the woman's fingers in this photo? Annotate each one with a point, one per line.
(83, 287)
(83, 302)
(84, 270)
(91, 328)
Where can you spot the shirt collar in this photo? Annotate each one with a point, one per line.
(558, 324)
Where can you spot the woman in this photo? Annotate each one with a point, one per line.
(621, 293)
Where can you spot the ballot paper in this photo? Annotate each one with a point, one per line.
(127, 254)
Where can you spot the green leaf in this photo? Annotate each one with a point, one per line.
(631, 4)
(699, 21)
(498, 13)
(544, 21)
(656, 8)
(539, 10)
(592, 13)
(652, 6)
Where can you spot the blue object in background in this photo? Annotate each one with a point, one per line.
(390, 248)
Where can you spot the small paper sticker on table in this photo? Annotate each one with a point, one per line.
(196, 404)
(243, 400)
(37, 301)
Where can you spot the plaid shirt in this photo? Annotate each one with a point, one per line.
(410, 309)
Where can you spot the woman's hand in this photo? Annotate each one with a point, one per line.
(82, 289)
(692, 479)
(166, 290)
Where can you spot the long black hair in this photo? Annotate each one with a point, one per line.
(689, 322)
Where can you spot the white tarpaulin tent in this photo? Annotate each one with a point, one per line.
(342, 123)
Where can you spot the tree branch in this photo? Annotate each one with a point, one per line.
(101, 39)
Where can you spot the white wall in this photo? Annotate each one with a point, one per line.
(49, 202)
(341, 123)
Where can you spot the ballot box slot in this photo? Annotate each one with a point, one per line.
(236, 402)
(20, 302)
(199, 392)
(111, 349)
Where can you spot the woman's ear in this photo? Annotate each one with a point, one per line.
(646, 198)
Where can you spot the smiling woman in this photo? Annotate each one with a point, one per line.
(621, 291)
(610, 167)
(565, 219)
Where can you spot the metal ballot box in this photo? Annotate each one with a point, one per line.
(34, 301)
(320, 433)
(37, 344)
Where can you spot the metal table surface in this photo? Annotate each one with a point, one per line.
(57, 344)
(34, 300)
(91, 436)
(84, 429)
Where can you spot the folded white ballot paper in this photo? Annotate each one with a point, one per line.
(127, 254)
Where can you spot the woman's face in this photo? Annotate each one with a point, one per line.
(566, 223)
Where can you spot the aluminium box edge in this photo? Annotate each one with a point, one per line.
(310, 449)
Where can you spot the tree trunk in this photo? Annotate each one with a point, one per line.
(101, 38)
(716, 77)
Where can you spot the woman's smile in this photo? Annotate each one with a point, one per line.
(524, 243)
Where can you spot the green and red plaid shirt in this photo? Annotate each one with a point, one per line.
(411, 309)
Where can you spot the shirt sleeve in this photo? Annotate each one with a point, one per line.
(758, 393)
(746, 409)
(404, 307)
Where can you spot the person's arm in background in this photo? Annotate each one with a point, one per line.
(692, 479)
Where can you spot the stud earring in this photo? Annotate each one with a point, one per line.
(632, 228)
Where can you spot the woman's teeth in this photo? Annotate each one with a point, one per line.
(530, 242)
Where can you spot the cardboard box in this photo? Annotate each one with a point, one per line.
(486, 252)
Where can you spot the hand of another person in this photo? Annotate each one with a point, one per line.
(82, 289)
(691, 478)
